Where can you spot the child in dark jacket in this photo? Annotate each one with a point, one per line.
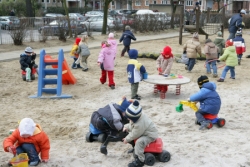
(239, 44)
(220, 43)
(135, 72)
(126, 38)
(209, 99)
(27, 62)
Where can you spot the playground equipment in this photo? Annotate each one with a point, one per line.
(213, 119)
(155, 151)
(59, 68)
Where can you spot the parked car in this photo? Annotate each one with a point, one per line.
(77, 16)
(145, 11)
(9, 22)
(93, 13)
(54, 27)
(49, 17)
(96, 22)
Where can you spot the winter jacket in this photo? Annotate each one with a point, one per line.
(209, 99)
(211, 50)
(220, 43)
(235, 23)
(113, 45)
(192, 47)
(126, 37)
(107, 57)
(27, 61)
(238, 42)
(143, 127)
(164, 64)
(39, 139)
(73, 53)
(230, 56)
(83, 50)
(109, 117)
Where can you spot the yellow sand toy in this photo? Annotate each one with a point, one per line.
(191, 104)
(213, 119)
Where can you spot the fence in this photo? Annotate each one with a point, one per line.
(139, 23)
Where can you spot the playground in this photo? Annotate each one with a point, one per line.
(66, 121)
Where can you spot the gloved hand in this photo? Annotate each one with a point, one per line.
(12, 149)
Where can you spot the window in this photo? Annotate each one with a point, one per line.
(200, 2)
(48, 1)
(154, 2)
(113, 3)
(164, 2)
(189, 3)
(138, 3)
(146, 3)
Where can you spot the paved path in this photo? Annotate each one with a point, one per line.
(95, 44)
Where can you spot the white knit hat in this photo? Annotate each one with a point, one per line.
(27, 126)
(111, 35)
(196, 35)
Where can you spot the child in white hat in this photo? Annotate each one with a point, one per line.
(141, 128)
(31, 139)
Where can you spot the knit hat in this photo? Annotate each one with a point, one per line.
(133, 54)
(28, 50)
(208, 40)
(219, 34)
(229, 42)
(27, 127)
(123, 105)
(134, 111)
(202, 79)
(77, 40)
(127, 27)
(196, 35)
(111, 35)
(167, 51)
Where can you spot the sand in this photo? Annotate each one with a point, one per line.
(66, 120)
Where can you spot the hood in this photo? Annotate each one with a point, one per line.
(209, 85)
(133, 54)
(231, 48)
(210, 44)
(112, 42)
(77, 41)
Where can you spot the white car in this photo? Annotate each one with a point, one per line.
(145, 11)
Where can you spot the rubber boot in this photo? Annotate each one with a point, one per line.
(204, 124)
(136, 163)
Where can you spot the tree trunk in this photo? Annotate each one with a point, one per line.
(173, 7)
(67, 15)
(105, 10)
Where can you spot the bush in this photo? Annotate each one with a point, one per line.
(18, 34)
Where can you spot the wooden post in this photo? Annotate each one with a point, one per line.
(181, 25)
(223, 18)
(197, 15)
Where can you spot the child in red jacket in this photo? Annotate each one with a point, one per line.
(28, 138)
(239, 44)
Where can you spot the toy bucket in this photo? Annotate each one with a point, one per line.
(145, 76)
(20, 160)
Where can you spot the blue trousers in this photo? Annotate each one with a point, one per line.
(191, 63)
(213, 64)
(224, 72)
(30, 150)
(199, 115)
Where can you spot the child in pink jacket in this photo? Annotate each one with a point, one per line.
(106, 60)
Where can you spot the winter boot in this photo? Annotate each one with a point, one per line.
(136, 163)
(204, 124)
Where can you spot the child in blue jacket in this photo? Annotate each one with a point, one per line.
(135, 72)
(126, 38)
(209, 99)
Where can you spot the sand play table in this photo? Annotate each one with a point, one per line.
(161, 83)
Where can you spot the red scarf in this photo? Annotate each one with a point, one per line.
(167, 56)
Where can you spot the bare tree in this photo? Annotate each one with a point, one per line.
(67, 15)
(174, 4)
(105, 10)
